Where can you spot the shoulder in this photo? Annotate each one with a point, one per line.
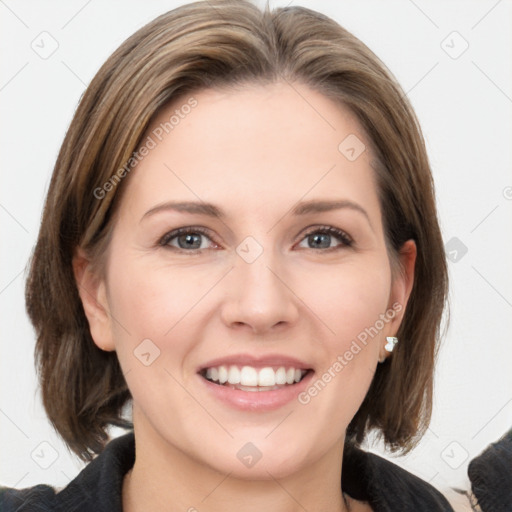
(97, 488)
(491, 476)
(40, 497)
(388, 487)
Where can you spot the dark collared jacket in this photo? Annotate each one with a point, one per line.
(98, 487)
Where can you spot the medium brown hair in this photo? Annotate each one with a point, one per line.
(214, 44)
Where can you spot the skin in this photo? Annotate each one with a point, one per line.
(254, 152)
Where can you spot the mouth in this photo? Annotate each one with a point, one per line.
(254, 378)
(255, 383)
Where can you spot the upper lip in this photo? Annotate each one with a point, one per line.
(257, 361)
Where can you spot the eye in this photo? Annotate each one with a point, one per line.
(321, 238)
(195, 239)
(186, 239)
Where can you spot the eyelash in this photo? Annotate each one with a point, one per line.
(344, 238)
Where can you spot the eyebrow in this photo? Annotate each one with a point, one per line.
(303, 208)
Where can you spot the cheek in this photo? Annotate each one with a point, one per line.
(152, 295)
(350, 298)
(149, 303)
(350, 305)
(155, 328)
(142, 303)
(166, 304)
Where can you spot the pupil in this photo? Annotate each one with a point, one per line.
(189, 241)
(320, 240)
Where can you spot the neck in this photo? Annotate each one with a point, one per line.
(164, 478)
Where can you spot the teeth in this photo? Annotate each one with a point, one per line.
(281, 376)
(233, 375)
(267, 377)
(248, 376)
(223, 374)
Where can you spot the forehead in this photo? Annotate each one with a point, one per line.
(249, 118)
(254, 146)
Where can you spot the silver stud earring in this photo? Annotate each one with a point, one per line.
(391, 342)
(389, 346)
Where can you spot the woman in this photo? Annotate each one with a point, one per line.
(240, 241)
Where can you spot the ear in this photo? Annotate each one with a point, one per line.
(403, 280)
(92, 291)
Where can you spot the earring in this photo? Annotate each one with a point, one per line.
(389, 346)
(391, 342)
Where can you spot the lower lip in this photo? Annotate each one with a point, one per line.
(257, 400)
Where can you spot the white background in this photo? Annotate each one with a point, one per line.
(465, 108)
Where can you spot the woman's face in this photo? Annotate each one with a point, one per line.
(280, 271)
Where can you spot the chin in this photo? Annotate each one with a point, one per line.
(252, 457)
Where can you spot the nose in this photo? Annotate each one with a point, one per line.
(259, 296)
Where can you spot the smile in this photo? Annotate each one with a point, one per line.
(255, 383)
(250, 378)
